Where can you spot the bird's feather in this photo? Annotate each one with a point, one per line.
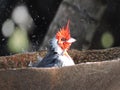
(51, 60)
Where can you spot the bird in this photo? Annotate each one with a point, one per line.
(57, 55)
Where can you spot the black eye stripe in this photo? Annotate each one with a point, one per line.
(63, 39)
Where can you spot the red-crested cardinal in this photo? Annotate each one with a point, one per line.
(57, 55)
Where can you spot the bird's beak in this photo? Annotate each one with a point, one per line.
(71, 40)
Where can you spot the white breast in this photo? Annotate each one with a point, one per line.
(66, 60)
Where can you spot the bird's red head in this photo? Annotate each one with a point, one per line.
(64, 38)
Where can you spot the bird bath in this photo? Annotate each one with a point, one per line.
(94, 70)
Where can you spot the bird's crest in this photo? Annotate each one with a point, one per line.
(63, 33)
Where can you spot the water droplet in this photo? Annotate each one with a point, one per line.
(3, 39)
(43, 18)
(33, 36)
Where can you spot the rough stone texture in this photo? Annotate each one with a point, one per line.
(85, 16)
(100, 72)
(86, 76)
(22, 60)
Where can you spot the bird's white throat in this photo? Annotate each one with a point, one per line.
(54, 45)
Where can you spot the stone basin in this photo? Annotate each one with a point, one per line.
(85, 75)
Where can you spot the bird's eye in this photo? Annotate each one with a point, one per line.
(63, 39)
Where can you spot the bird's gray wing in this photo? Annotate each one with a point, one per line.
(51, 60)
